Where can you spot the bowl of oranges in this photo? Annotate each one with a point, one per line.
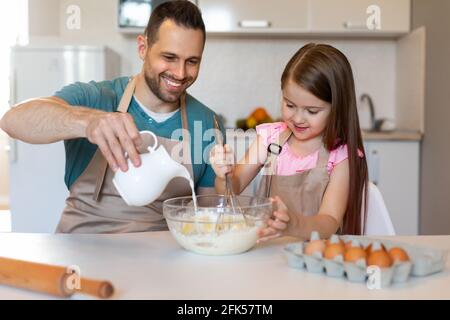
(257, 117)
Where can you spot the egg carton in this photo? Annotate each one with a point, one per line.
(423, 262)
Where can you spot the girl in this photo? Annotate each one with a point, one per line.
(314, 164)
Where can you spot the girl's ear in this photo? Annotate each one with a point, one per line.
(142, 46)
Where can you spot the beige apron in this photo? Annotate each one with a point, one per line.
(106, 211)
(302, 193)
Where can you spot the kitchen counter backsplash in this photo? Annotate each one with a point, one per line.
(367, 135)
(239, 75)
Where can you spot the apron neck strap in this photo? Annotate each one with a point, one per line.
(186, 135)
(324, 155)
(282, 138)
(127, 96)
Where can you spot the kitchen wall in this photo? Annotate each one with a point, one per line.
(240, 74)
(237, 74)
(43, 18)
(435, 175)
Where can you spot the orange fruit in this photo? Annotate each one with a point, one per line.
(259, 114)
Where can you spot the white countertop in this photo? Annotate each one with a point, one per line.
(396, 135)
(392, 136)
(153, 266)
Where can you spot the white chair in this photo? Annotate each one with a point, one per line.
(378, 222)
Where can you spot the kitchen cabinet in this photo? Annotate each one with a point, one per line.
(254, 15)
(352, 15)
(305, 16)
(394, 168)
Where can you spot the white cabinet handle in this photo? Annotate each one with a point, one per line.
(11, 149)
(254, 24)
(12, 87)
(354, 26)
(375, 166)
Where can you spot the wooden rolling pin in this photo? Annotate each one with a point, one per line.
(49, 279)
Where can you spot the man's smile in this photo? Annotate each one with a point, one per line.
(172, 84)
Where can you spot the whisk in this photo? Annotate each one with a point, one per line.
(229, 197)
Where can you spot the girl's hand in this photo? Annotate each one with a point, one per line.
(222, 160)
(282, 222)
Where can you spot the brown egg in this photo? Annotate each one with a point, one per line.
(354, 254)
(348, 245)
(333, 250)
(398, 254)
(314, 246)
(379, 258)
(328, 242)
(369, 249)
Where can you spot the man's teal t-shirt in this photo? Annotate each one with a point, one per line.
(106, 96)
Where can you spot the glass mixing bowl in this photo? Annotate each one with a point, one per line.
(201, 232)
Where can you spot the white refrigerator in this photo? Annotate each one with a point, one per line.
(36, 172)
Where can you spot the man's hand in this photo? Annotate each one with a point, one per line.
(115, 133)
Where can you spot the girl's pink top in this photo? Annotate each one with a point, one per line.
(288, 163)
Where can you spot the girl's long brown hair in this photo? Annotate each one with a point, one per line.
(325, 72)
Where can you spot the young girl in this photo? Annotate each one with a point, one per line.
(315, 169)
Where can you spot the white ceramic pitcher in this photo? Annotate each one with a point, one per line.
(144, 184)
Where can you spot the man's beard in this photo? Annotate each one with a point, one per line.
(152, 83)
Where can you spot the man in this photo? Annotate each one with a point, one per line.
(100, 123)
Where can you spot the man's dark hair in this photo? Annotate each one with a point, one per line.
(183, 13)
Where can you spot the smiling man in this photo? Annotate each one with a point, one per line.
(100, 123)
